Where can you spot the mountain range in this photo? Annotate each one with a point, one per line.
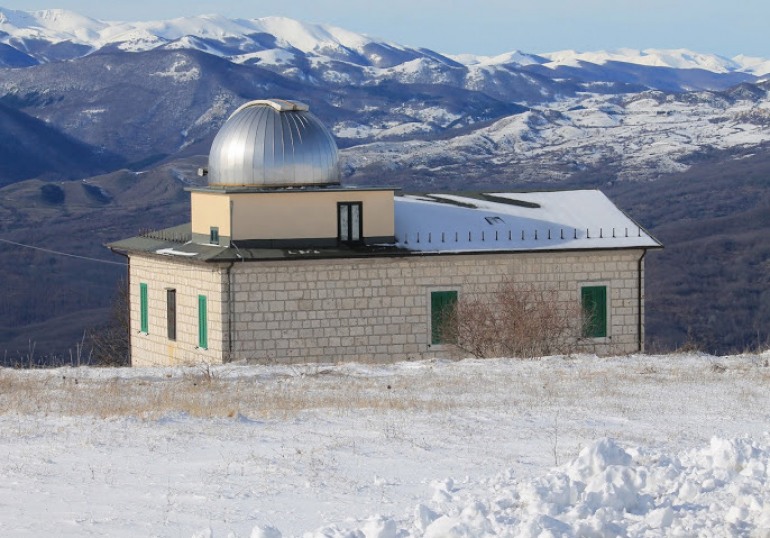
(54, 34)
(137, 93)
(81, 98)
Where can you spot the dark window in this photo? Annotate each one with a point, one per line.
(203, 330)
(350, 222)
(171, 313)
(214, 235)
(593, 301)
(441, 305)
(143, 314)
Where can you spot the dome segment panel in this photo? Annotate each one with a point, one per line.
(273, 143)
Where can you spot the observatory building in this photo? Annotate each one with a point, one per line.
(280, 262)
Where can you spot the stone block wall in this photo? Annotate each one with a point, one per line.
(154, 348)
(378, 309)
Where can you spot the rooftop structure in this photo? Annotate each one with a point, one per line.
(273, 143)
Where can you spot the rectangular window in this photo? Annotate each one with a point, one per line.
(349, 222)
(143, 318)
(203, 337)
(171, 313)
(214, 235)
(593, 302)
(441, 305)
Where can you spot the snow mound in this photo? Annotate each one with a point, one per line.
(720, 490)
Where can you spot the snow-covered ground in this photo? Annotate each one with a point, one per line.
(564, 446)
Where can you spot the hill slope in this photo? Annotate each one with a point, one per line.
(31, 148)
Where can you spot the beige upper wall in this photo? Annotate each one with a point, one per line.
(210, 209)
(289, 215)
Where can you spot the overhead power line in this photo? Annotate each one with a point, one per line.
(59, 253)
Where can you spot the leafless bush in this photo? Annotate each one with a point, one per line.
(111, 341)
(516, 321)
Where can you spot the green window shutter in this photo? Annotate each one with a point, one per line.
(143, 317)
(441, 304)
(203, 337)
(594, 306)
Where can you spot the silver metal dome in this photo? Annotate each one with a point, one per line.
(273, 143)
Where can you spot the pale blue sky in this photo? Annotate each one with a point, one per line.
(726, 27)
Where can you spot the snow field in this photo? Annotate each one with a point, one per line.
(576, 446)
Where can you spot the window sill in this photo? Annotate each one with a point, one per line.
(597, 339)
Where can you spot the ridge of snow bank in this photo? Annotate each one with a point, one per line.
(721, 490)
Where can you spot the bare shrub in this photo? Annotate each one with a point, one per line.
(111, 341)
(516, 321)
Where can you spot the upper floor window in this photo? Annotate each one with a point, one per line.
(349, 222)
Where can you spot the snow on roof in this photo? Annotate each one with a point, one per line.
(583, 219)
(174, 252)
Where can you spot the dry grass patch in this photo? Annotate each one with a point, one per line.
(623, 386)
(37, 392)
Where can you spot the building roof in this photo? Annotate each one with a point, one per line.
(445, 224)
(518, 221)
(273, 143)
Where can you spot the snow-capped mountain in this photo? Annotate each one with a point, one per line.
(628, 113)
(630, 137)
(34, 33)
(676, 59)
(240, 40)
